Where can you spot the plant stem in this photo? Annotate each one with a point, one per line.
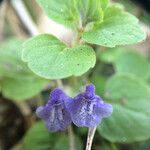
(70, 130)
(90, 137)
(25, 17)
(59, 83)
(71, 138)
(3, 9)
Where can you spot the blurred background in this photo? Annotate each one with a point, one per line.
(21, 91)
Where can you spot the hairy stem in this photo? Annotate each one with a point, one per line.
(71, 138)
(90, 137)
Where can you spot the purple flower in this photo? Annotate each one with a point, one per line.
(88, 109)
(54, 113)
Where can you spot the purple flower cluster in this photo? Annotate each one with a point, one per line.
(85, 110)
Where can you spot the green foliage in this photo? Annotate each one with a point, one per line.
(130, 120)
(38, 138)
(94, 22)
(104, 24)
(99, 82)
(104, 4)
(117, 28)
(90, 10)
(50, 58)
(145, 145)
(110, 55)
(16, 80)
(127, 61)
(129, 89)
(63, 12)
(72, 12)
(107, 146)
(22, 88)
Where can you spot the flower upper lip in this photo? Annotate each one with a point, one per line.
(87, 98)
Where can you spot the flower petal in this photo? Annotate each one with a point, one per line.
(58, 120)
(104, 110)
(90, 91)
(55, 113)
(88, 109)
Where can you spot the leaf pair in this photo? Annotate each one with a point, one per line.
(109, 24)
(52, 59)
(102, 24)
(117, 28)
(72, 12)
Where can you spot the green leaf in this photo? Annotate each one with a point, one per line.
(73, 12)
(21, 88)
(129, 89)
(133, 63)
(104, 4)
(130, 119)
(127, 61)
(17, 81)
(110, 55)
(40, 137)
(91, 10)
(99, 82)
(63, 12)
(145, 145)
(10, 62)
(44, 140)
(117, 28)
(50, 58)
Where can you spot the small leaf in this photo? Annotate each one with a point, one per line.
(40, 137)
(130, 119)
(10, 59)
(44, 140)
(61, 11)
(133, 63)
(118, 28)
(129, 89)
(71, 12)
(91, 10)
(17, 81)
(21, 88)
(51, 59)
(127, 61)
